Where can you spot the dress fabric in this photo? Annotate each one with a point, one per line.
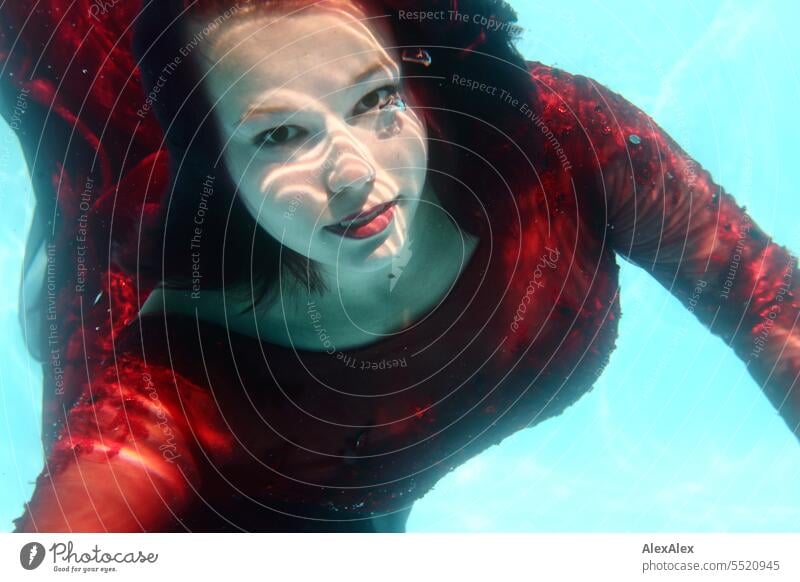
(230, 433)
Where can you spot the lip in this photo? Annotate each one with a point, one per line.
(355, 215)
(379, 222)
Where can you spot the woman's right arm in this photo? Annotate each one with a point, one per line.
(125, 459)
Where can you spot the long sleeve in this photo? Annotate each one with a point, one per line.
(124, 459)
(662, 211)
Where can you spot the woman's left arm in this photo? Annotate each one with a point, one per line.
(662, 211)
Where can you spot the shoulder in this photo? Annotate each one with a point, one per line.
(557, 85)
(592, 122)
(578, 96)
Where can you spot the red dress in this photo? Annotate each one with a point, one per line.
(171, 424)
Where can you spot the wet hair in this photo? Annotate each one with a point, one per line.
(458, 121)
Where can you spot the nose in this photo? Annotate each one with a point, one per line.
(350, 168)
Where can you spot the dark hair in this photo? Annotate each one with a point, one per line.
(458, 120)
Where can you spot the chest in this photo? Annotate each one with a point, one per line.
(527, 338)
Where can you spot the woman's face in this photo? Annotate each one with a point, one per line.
(318, 132)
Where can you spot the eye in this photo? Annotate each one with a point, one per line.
(380, 98)
(278, 136)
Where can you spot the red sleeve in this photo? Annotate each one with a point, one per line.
(126, 457)
(663, 212)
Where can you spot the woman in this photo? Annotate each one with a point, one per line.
(387, 244)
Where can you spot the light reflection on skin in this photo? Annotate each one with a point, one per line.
(326, 77)
(346, 145)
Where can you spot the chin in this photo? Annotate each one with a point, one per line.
(381, 257)
(368, 265)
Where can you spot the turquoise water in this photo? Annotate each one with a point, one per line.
(675, 436)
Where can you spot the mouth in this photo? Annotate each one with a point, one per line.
(365, 224)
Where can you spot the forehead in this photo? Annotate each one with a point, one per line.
(314, 51)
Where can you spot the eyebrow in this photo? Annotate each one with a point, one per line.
(376, 67)
(357, 80)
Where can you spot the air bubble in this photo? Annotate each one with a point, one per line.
(395, 102)
(418, 55)
(389, 123)
(634, 139)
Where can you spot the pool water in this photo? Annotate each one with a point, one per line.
(675, 436)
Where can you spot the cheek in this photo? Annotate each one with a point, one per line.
(413, 142)
(404, 155)
(285, 196)
(411, 163)
(257, 180)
